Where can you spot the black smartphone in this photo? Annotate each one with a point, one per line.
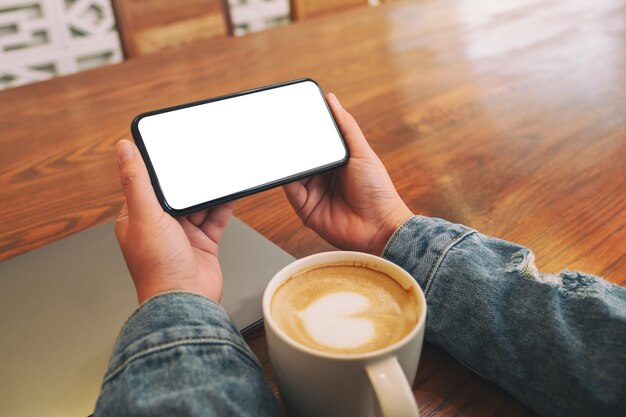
(208, 152)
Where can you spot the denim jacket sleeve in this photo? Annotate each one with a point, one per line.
(555, 341)
(180, 354)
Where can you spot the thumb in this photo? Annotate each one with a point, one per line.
(140, 197)
(357, 144)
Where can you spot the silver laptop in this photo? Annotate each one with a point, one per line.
(63, 305)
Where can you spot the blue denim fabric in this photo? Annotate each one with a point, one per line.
(180, 354)
(555, 341)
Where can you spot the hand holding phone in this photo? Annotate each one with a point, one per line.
(356, 207)
(206, 153)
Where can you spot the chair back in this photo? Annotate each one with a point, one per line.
(304, 9)
(150, 26)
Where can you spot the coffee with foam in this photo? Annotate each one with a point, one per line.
(344, 308)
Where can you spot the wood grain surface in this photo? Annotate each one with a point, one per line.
(505, 116)
(149, 26)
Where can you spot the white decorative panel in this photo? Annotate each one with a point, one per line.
(40, 39)
(255, 15)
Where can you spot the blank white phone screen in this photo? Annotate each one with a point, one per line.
(216, 149)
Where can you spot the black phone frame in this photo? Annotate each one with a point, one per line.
(134, 128)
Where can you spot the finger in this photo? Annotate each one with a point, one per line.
(198, 218)
(196, 237)
(142, 202)
(357, 144)
(123, 211)
(296, 194)
(213, 226)
(121, 223)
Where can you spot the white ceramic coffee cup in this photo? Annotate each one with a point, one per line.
(321, 384)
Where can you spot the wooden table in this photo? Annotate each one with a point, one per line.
(507, 117)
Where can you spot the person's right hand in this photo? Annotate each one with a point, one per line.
(164, 253)
(355, 207)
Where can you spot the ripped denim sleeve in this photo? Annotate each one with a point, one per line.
(555, 341)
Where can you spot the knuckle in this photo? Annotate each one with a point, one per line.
(128, 178)
(120, 224)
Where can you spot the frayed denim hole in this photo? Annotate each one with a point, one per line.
(576, 284)
(523, 261)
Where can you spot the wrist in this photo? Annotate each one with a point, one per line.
(146, 291)
(390, 224)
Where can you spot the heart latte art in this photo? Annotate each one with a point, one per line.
(334, 320)
(344, 308)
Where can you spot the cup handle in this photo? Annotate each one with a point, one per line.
(392, 388)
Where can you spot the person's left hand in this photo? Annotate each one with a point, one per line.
(164, 253)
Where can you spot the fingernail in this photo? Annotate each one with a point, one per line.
(124, 151)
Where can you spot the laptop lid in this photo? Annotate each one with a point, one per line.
(63, 305)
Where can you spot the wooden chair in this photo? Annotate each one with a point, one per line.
(148, 26)
(304, 9)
